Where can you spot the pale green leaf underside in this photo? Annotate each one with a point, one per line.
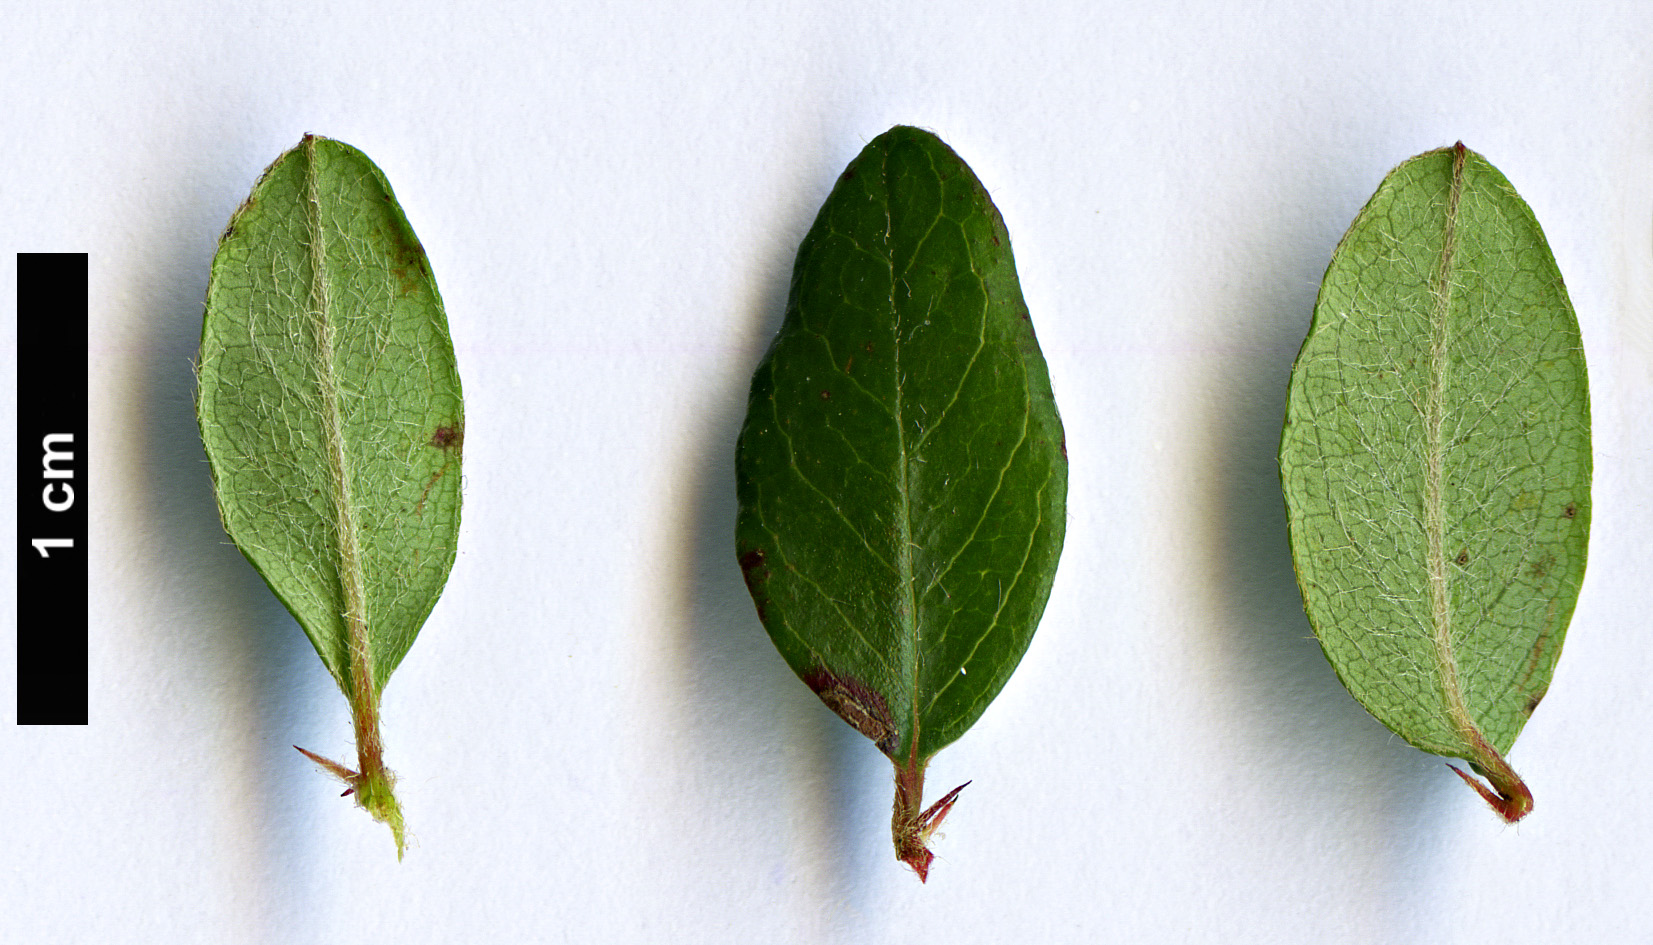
(1436, 457)
(330, 404)
(901, 472)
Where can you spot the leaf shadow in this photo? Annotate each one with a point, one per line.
(751, 715)
(1318, 757)
(236, 648)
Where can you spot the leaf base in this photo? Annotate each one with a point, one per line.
(1509, 796)
(913, 825)
(375, 793)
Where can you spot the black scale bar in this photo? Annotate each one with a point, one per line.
(51, 489)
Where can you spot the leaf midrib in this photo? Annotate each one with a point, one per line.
(351, 578)
(1437, 567)
(904, 524)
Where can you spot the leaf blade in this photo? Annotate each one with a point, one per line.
(901, 473)
(1436, 460)
(332, 417)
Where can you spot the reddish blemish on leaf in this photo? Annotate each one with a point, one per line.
(410, 266)
(447, 437)
(856, 703)
(752, 568)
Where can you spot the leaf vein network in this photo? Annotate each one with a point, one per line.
(831, 503)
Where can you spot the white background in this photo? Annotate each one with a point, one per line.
(597, 740)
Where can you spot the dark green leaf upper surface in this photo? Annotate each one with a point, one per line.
(902, 475)
(330, 404)
(1436, 458)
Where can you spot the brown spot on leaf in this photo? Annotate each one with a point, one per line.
(1538, 657)
(1462, 560)
(1540, 568)
(447, 437)
(1533, 701)
(409, 266)
(756, 573)
(1571, 511)
(849, 364)
(826, 395)
(856, 703)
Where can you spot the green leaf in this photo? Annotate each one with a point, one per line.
(330, 409)
(902, 473)
(1436, 463)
